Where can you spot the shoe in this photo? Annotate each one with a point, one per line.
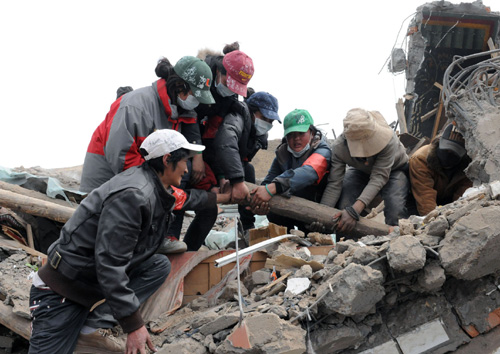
(101, 341)
(172, 245)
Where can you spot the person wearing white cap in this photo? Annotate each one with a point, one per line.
(378, 164)
(105, 263)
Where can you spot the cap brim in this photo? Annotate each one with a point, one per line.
(194, 147)
(236, 86)
(270, 114)
(203, 96)
(298, 128)
(445, 144)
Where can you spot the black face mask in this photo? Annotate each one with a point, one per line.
(448, 158)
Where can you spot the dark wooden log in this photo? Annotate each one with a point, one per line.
(306, 211)
(34, 206)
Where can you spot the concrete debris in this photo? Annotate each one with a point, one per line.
(297, 286)
(431, 290)
(470, 250)
(406, 254)
(354, 290)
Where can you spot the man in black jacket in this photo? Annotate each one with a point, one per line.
(104, 264)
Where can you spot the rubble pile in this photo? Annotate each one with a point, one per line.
(432, 284)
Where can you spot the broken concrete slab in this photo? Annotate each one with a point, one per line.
(269, 334)
(220, 323)
(425, 338)
(470, 249)
(297, 286)
(406, 254)
(420, 311)
(183, 346)
(334, 340)
(356, 290)
(473, 302)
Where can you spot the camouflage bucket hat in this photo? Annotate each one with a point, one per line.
(198, 75)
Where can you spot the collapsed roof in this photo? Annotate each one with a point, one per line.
(438, 33)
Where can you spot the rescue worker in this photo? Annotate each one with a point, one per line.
(299, 169)
(104, 264)
(378, 164)
(228, 130)
(168, 103)
(437, 171)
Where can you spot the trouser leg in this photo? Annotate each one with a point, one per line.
(246, 216)
(395, 193)
(200, 227)
(145, 279)
(56, 322)
(352, 186)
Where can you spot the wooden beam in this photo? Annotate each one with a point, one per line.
(492, 46)
(428, 114)
(34, 206)
(306, 211)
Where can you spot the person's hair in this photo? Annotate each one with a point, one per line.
(157, 163)
(228, 48)
(316, 132)
(164, 68)
(175, 86)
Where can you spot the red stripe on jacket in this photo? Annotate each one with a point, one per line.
(319, 164)
(101, 134)
(180, 198)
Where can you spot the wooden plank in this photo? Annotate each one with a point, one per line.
(286, 262)
(401, 116)
(15, 323)
(16, 245)
(273, 283)
(437, 122)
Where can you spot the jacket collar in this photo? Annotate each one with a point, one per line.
(161, 89)
(167, 199)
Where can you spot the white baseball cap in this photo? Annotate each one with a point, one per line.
(164, 141)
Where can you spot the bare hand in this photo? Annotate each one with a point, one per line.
(241, 193)
(137, 340)
(224, 194)
(198, 169)
(346, 222)
(224, 185)
(259, 204)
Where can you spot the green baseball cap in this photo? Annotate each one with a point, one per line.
(298, 120)
(198, 75)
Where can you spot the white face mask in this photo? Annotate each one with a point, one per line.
(223, 90)
(261, 126)
(298, 154)
(189, 103)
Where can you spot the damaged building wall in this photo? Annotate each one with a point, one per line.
(472, 99)
(438, 32)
